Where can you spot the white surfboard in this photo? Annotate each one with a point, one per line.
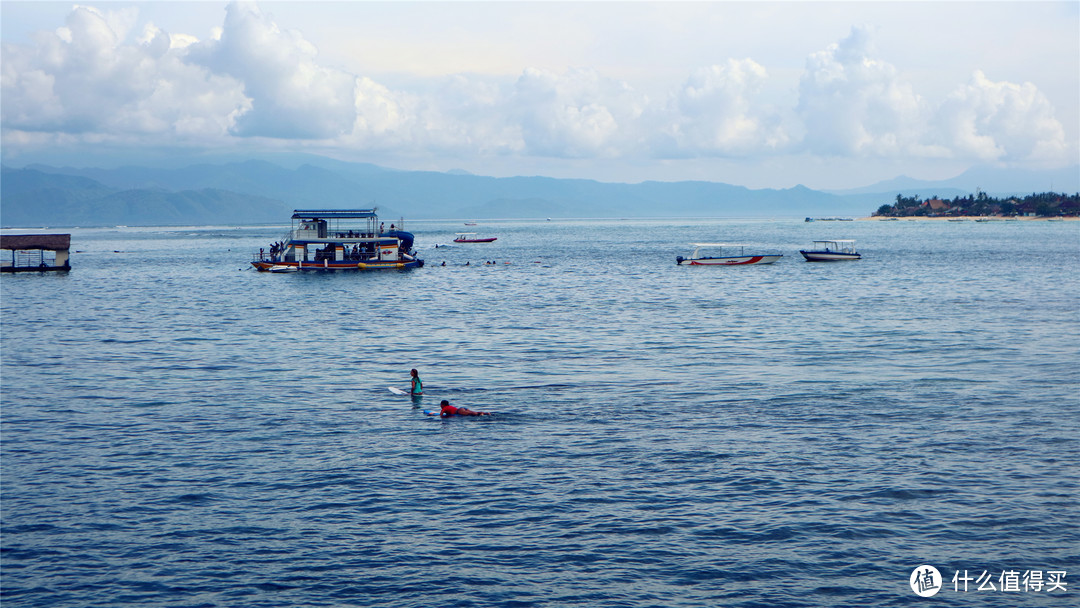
(396, 390)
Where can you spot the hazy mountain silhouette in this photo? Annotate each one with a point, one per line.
(259, 191)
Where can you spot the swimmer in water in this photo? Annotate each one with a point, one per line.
(417, 385)
(449, 410)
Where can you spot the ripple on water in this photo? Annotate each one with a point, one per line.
(788, 436)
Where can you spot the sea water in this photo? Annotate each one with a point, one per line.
(181, 430)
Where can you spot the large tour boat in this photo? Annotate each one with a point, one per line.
(339, 239)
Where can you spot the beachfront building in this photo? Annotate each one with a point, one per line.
(25, 252)
(937, 205)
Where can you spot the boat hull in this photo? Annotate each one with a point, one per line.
(329, 265)
(829, 256)
(494, 238)
(739, 260)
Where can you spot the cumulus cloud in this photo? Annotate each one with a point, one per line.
(718, 110)
(993, 121)
(457, 114)
(291, 95)
(851, 103)
(83, 80)
(104, 77)
(574, 114)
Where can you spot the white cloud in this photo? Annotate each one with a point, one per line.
(378, 110)
(459, 115)
(467, 115)
(1000, 121)
(574, 114)
(105, 77)
(718, 110)
(82, 80)
(852, 103)
(292, 96)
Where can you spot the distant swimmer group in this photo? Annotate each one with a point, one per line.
(486, 263)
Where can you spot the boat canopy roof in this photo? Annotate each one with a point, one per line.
(846, 241)
(719, 245)
(50, 242)
(326, 214)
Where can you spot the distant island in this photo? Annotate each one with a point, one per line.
(1047, 204)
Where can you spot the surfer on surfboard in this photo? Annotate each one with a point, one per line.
(449, 410)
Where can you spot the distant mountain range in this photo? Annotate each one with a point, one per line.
(258, 191)
(991, 180)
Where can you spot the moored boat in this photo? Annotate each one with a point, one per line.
(470, 237)
(725, 254)
(831, 251)
(338, 239)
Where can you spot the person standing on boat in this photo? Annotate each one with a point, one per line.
(417, 385)
(449, 410)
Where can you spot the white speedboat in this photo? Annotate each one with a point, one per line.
(832, 251)
(470, 237)
(725, 254)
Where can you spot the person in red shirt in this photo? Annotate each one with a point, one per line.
(449, 410)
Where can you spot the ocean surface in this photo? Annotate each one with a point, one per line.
(180, 430)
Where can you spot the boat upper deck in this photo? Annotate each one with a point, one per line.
(315, 214)
(346, 225)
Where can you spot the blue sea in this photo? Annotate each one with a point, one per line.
(179, 430)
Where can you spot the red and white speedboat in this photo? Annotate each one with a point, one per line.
(725, 254)
(470, 237)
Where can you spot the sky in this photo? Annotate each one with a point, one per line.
(830, 95)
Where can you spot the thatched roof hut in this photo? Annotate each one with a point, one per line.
(50, 242)
(28, 252)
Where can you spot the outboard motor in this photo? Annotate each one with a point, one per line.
(678, 259)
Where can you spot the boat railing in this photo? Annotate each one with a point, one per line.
(368, 242)
(318, 256)
(351, 234)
